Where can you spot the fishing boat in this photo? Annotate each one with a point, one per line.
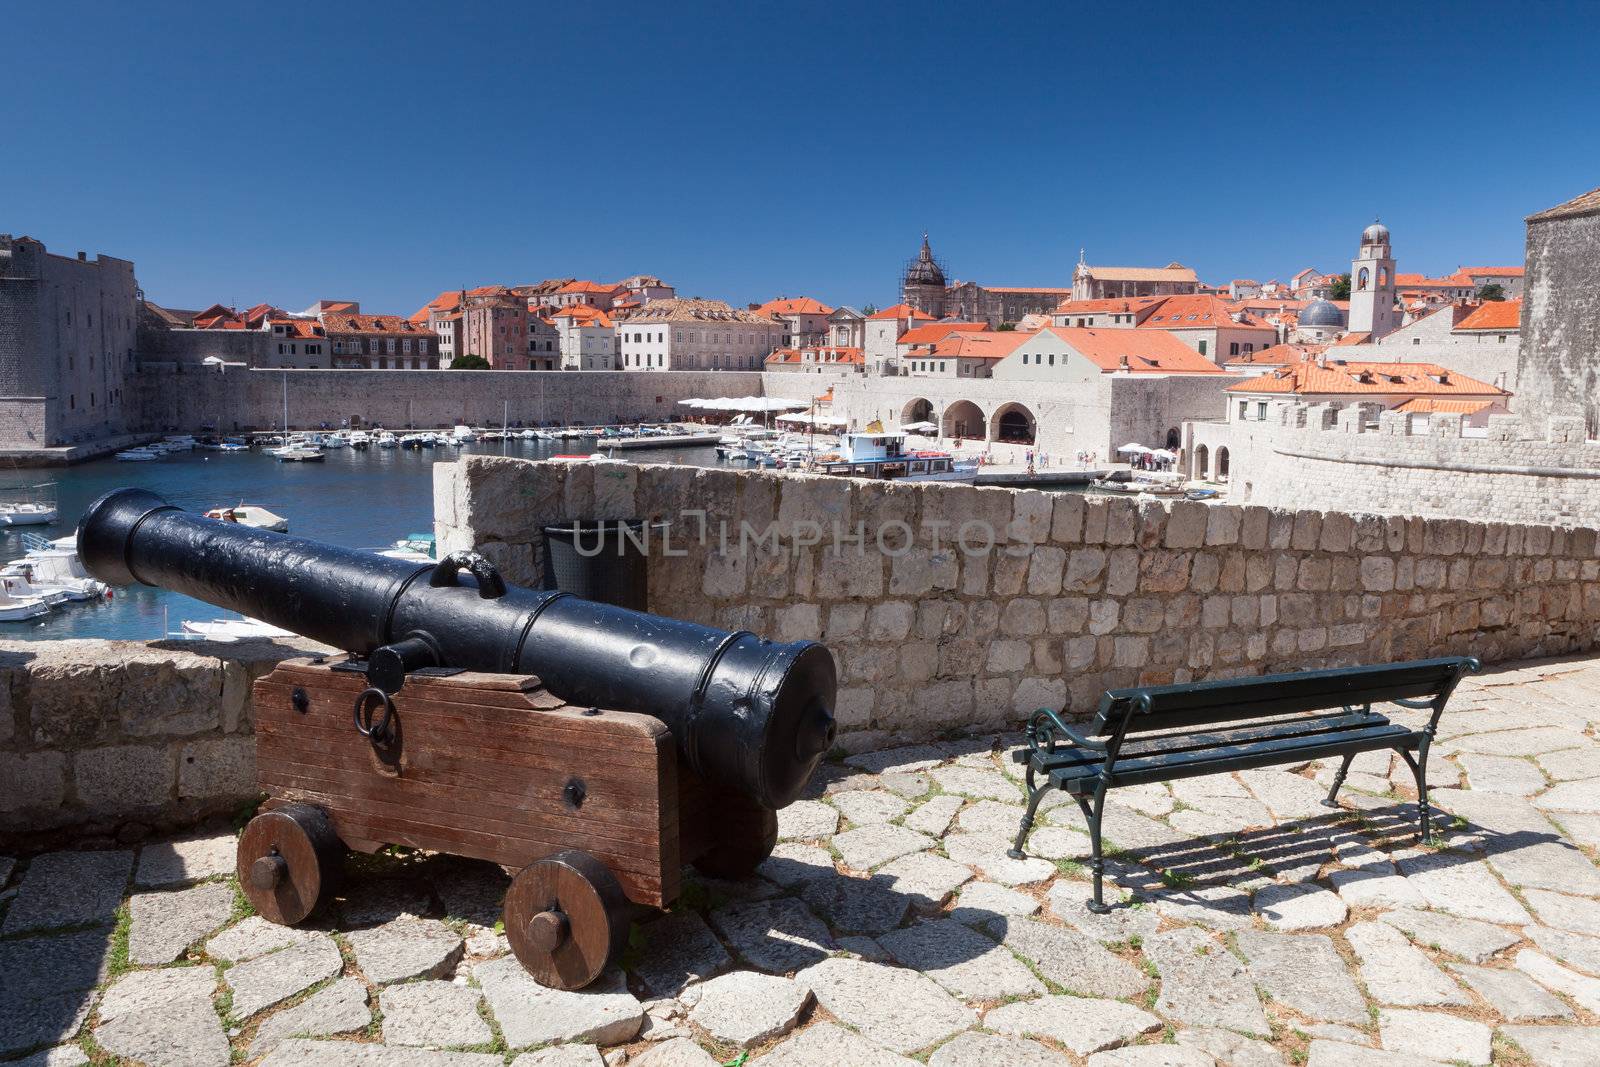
(250, 515)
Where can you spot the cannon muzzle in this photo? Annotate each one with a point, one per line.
(746, 713)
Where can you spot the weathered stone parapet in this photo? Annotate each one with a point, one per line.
(947, 605)
(119, 737)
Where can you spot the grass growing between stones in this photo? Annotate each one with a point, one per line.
(117, 961)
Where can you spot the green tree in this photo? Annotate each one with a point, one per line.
(469, 363)
(1340, 290)
(870, 309)
(1492, 291)
(1005, 326)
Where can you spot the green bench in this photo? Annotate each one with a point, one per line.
(1161, 732)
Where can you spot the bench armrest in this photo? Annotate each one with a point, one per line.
(1045, 729)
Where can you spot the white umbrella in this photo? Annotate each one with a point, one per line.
(1162, 453)
(1132, 447)
(814, 420)
(919, 427)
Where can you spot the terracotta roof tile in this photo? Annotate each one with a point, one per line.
(1493, 272)
(985, 345)
(1152, 352)
(1584, 204)
(1500, 315)
(1429, 405)
(938, 331)
(901, 311)
(796, 305)
(1340, 378)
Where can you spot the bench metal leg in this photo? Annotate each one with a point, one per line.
(1034, 797)
(1097, 863)
(1338, 780)
(1419, 770)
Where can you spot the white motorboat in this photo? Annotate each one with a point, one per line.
(178, 443)
(250, 515)
(138, 455)
(337, 439)
(462, 435)
(360, 439)
(387, 439)
(238, 629)
(299, 454)
(55, 565)
(18, 609)
(233, 446)
(415, 548)
(14, 579)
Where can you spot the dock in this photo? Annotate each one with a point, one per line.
(1046, 479)
(678, 440)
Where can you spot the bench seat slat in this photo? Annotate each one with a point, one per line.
(1227, 758)
(1212, 738)
(1227, 700)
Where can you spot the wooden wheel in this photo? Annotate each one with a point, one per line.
(290, 860)
(566, 919)
(745, 835)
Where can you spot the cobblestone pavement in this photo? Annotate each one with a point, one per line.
(889, 927)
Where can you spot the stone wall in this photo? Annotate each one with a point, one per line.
(188, 398)
(1077, 595)
(119, 737)
(1559, 368)
(1359, 458)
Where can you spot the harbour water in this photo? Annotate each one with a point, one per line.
(358, 499)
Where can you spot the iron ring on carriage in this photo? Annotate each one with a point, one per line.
(378, 731)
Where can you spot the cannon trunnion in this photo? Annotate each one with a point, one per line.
(592, 808)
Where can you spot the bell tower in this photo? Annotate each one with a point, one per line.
(922, 285)
(1372, 296)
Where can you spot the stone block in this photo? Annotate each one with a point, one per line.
(34, 781)
(1066, 525)
(1031, 516)
(221, 768)
(124, 778)
(1187, 524)
(1224, 524)
(1045, 570)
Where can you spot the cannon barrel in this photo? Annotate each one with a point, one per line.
(746, 713)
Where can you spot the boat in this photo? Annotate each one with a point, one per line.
(360, 440)
(299, 454)
(14, 580)
(55, 565)
(415, 547)
(387, 439)
(177, 443)
(138, 455)
(30, 509)
(1148, 483)
(233, 446)
(462, 435)
(250, 515)
(882, 454)
(238, 629)
(18, 609)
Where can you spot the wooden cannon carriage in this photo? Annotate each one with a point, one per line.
(589, 807)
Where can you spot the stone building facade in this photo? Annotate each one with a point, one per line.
(67, 330)
(696, 335)
(1558, 371)
(923, 288)
(953, 606)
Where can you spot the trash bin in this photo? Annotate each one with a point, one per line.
(601, 560)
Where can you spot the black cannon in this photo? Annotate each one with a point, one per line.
(595, 748)
(746, 712)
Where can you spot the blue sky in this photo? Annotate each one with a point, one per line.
(383, 152)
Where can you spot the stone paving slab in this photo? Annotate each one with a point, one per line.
(962, 960)
(339, 1009)
(1557, 1046)
(184, 860)
(1303, 972)
(433, 1013)
(42, 966)
(164, 924)
(1395, 973)
(530, 1014)
(1203, 984)
(893, 1008)
(69, 889)
(1512, 994)
(1082, 1024)
(1075, 961)
(277, 976)
(301, 1052)
(745, 1009)
(404, 948)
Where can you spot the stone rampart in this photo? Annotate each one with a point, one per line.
(232, 398)
(119, 738)
(933, 628)
(1365, 459)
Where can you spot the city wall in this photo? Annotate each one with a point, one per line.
(120, 738)
(934, 629)
(1359, 458)
(231, 398)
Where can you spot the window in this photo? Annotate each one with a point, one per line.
(1233, 348)
(1202, 348)
(407, 345)
(1244, 408)
(1261, 409)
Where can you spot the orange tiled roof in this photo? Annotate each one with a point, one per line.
(1494, 315)
(1154, 351)
(1196, 313)
(370, 324)
(1358, 338)
(589, 316)
(301, 327)
(984, 345)
(901, 311)
(795, 305)
(1340, 377)
(1430, 405)
(824, 354)
(587, 287)
(1113, 305)
(784, 355)
(1492, 272)
(1583, 204)
(938, 331)
(1413, 280)
(1276, 355)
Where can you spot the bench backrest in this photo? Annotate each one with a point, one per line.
(1236, 699)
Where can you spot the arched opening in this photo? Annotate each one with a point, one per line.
(1012, 424)
(1363, 278)
(1174, 439)
(963, 419)
(1383, 277)
(918, 410)
(1222, 464)
(1201, 455)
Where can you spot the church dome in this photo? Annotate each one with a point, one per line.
(924, 270)
(1322, 313)
(1376, 234)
